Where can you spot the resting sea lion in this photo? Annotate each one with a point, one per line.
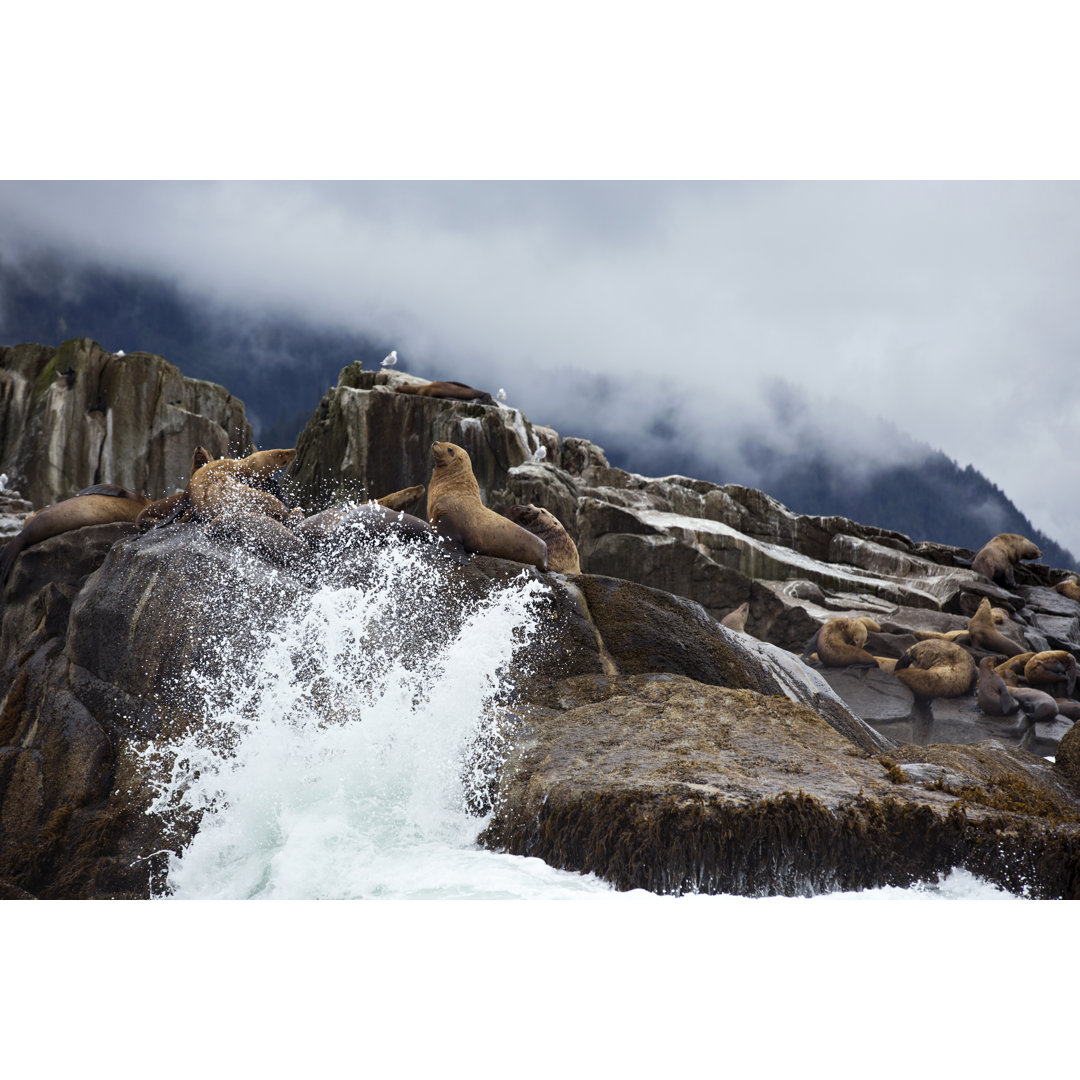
(736, 620)
(455, 510)
(1070, 588)
(455, 390)
(258, 532)
(372, 517)
(398, 500)
(1068, 707)
(997, 557)
(224, 485)
(1053, 668)
(1014, 666)
(840, 642)
(73, 513)
(1037, 704)
(936, 669)
(561, 549)
(994, 696)
(985, 634)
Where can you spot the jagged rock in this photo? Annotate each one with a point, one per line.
(660, 782)
(77, 415)
(103, 627)
(366, 440)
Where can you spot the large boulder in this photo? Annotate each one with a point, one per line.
(663, 783)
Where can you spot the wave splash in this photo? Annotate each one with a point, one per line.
(350, 754)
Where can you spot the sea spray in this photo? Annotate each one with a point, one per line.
(345, 751)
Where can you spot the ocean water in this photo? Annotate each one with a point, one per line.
(342, 761)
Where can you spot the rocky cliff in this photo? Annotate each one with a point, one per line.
(77, 415)
(649, 744)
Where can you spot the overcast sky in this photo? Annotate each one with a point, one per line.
(947, 309)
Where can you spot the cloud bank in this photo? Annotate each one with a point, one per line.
(827, 316)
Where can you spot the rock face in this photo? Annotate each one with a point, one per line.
(649, 745)
(718, 545)
(77, 415)
(657, 782)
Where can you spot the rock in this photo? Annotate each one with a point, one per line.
(77, 415)
(663, 783)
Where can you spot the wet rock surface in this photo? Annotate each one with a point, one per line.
(652, 746)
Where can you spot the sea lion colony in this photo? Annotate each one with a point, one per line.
(230, 498)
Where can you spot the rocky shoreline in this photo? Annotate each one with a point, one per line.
(653, 746)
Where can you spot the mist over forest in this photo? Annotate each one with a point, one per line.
(280, 366)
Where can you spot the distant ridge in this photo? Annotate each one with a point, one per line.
(281, 367)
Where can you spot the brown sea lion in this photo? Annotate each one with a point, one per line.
(936, 669)
(1069, 707)
(986, 635)
(455, 510)
(1054, 668)
(1037, 704)
(115, 491)
(997, 557)
(561, 549)
(455, 390)
(961, 637)
(175, 507)
(224, 485)
(840, 642)
(994, 696)
(736, 620)
(1069, 588)
(73, 513)
(399, 500)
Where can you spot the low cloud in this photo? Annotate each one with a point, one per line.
(860, 320)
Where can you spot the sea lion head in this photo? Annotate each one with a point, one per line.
(446, 455)
(524, 514)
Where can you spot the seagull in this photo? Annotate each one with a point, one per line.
(501, 395)
(390, 359)
(120, 352)
(541, 453)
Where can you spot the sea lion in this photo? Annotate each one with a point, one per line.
(175, 507)
(936, 669)
(455, 390)
(961, 637)
(1069, 707)
(259, 533)
(1037, 704)
(997, 557)
(1053, 668)
(986, 635)
(1069, 588)
(994, 696)
(224, 485)
(736, 620)
(399, 500)
(561, 549)
(73, 513)
(455, 510)
(840, 642)
(373, 518)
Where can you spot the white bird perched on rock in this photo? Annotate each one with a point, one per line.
(120, 352)
(541, 453)
(390, 359)
(501, 395)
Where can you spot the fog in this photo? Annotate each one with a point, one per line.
(848, 317)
